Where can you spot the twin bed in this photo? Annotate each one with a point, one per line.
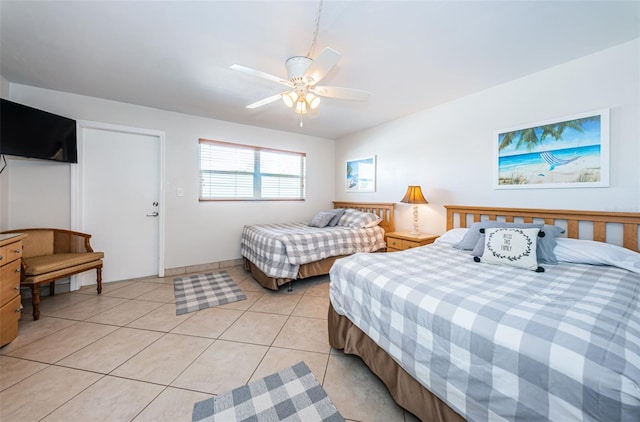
(455, 339)
(277, 254)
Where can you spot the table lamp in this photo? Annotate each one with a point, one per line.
(414, 196)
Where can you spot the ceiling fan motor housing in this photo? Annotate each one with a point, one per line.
(297, 66)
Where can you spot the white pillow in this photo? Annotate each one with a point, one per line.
(511, 246)
(596, 253)
(452, 236)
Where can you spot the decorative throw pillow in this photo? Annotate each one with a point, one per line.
(511, 246)
(358, 219)
(321, 219)
(337, 213)
(546, 241)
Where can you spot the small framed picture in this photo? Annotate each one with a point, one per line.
(361, 175)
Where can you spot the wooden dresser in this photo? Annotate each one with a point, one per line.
(400, 241)
(10, 306)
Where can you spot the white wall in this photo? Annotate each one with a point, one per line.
(196, 232)
(449, 149)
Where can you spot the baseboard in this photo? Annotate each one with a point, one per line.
(171, 272)
(62, 286)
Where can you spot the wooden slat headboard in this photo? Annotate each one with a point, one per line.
(596, 224)
(381, 209)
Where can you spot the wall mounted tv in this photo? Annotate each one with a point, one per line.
(33, 133)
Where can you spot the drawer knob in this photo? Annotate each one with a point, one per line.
(20, 308)
(17, 270)
(1, 257)
(16, 250)
(17, 287)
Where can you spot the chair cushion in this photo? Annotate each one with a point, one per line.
(56, 275)
(37, 265)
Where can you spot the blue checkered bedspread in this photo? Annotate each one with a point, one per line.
(501, 343)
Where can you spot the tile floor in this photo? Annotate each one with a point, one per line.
(126, 356)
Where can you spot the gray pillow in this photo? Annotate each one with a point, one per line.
(359, 219)
(470, 239)
(547, 244)
(544, 246)
(337, 213)
(321, 219)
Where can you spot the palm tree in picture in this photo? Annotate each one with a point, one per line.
(531, 137)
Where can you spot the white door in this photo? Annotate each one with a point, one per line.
(120, 197)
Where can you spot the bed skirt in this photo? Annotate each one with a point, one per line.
(404, 389)
(311, 269)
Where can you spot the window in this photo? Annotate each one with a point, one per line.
(243, 172)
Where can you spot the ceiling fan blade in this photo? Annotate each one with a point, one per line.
(341, 93)
(265, 101)
(261, 74)
(322, 65)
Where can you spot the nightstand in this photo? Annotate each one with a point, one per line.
(400, 241)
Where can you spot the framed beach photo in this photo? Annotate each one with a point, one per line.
(361, 175)
(569, 152)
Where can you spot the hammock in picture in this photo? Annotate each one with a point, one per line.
(554, 161)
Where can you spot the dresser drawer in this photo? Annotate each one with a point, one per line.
(10, 252)
(9, 317)
(9, 281)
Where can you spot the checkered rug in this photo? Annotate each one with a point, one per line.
(292, 394)
(205, 291)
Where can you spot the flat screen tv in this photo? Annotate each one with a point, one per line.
(33, 133)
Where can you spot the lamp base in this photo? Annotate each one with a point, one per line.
(415, 232)
(415, 221)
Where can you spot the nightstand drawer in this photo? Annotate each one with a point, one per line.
(401, 241)
(393, 243)
(401, 244)
(408, 245)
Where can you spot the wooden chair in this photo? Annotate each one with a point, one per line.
(52, 254)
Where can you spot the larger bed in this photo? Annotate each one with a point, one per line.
(277, 254)
(454, 339)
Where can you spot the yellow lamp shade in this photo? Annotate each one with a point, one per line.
(414, 196)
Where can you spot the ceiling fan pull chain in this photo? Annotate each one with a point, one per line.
(301, 124)
(315, 32)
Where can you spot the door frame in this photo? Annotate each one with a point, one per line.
(77, 181)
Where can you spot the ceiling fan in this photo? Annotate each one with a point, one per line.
(303, 75)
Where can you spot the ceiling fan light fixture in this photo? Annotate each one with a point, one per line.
(301, 106)
(312, 100)
(290, 98)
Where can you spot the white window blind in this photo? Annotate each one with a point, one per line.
(243, 172)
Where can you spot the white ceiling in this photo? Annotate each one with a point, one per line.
(410, 55)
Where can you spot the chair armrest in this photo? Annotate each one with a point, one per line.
(69, 241)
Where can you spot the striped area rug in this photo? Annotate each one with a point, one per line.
(203, 291)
